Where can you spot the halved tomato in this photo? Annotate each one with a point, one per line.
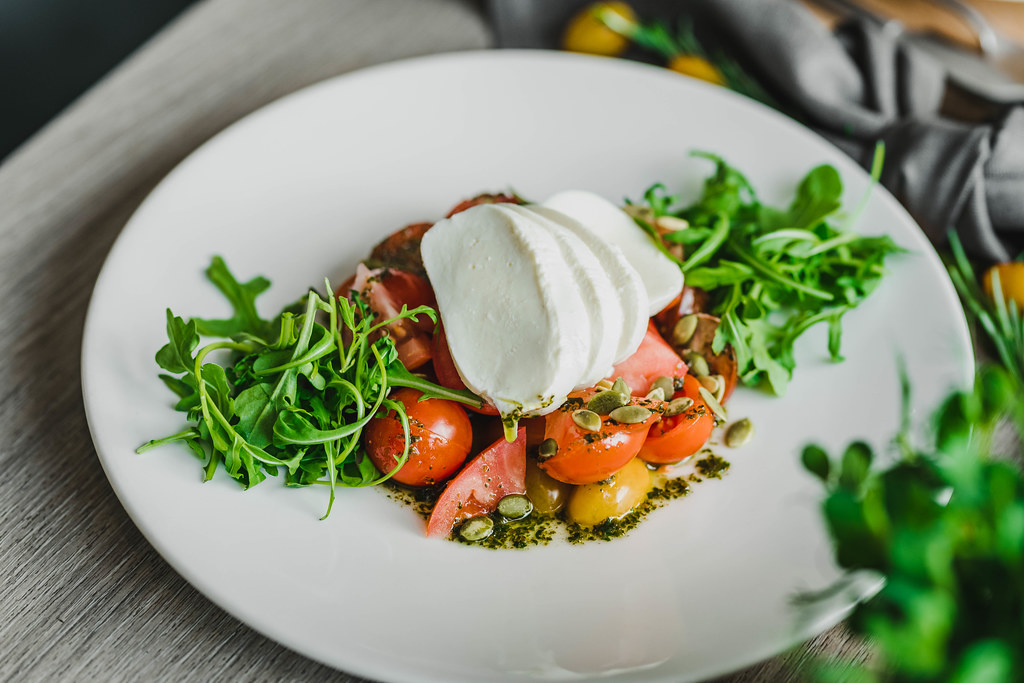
(653, 359)
(499, 471)
(584, 457)
(676, 438)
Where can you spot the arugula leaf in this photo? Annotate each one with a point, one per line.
(242, 297)
(771, 274)
(297, 391)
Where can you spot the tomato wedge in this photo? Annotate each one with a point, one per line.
(499, 471)
(653, 359)
(386, 290)
(676, 438)
(584, 457)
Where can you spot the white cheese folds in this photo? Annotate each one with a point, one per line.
(535, 303)
(661, 277)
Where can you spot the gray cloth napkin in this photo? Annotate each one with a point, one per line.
(855, 86)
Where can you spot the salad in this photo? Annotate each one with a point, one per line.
(516, 363)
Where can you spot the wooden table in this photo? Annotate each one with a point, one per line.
(85, 597)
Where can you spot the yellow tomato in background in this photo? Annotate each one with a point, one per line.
(1011, 282)
(696, 67)
(587, 33)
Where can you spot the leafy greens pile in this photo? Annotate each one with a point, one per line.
(771, 273)
(944, 525)
(297, 390)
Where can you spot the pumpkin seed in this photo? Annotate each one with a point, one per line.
(604, 385)
(655, 394)
(630, 414)
(623, 388)
(678, 405)
(605, 402)
(667, 386)
(515, 506)
(720, 390)
(713, 404)
(547, 448)
(698, 364)
(711, 383)
(671, 223)
(684, 328)
(476, 528)
(587, 420)
(739, 433)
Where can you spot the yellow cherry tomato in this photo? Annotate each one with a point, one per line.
(696, 67)
(1011, 282)
(587, 33)
(547, 493)
(592, 504)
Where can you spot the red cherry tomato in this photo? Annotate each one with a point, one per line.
(386, 290)
(584, 457)
(447, 375)
(441, 439)
(653, 359)
(676, 438)
(499, 471)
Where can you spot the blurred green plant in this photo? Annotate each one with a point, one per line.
(944, 524)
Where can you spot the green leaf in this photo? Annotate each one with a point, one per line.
(854, 466)
(987, 661)
(815, 460)
(256, 414)
(818, 196)
(242, 297)
(177, 356)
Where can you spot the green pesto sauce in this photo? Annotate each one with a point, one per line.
(538, 529)
(712, 466)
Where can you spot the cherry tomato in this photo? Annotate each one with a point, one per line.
(499, 471)
(386, 290)
(1011, 282)
(676, 438)
(584, 457)
(444, 369)
(441, 438)
(653, 359)
(586, 32)
(594, 503)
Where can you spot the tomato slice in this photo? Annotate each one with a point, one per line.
(499, 471)
(446, 372)
(676, 438)
(386, 290)
(653, 359)
(584, 457)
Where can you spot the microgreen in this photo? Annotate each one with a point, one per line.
(944, 525)
(294, 393)
(771, 273)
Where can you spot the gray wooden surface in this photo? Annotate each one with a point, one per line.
(84, 596)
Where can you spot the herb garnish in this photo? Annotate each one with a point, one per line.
(771, 273)
(298, 389)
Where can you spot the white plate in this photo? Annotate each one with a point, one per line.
(304, 187)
